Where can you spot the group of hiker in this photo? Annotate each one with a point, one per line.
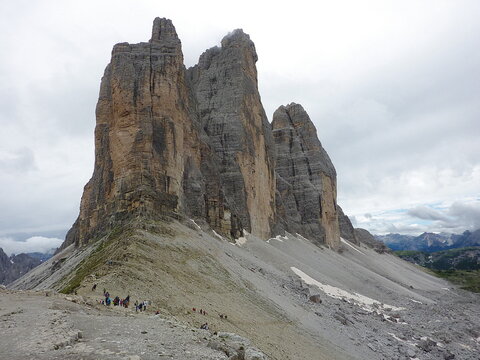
(203, 312)
(142, 306)
(117, 301)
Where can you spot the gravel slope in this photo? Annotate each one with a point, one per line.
(257, 283)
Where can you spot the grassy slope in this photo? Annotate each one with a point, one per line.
(467, 279)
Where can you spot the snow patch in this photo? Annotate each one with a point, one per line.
(241, 241)
(353, 247)
(278, 238)
(301, 237)
(364, 302)
(218, 235)
(198, 227)
(416, 301)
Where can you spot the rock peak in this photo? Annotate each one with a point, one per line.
(238, 39)
(163, 31)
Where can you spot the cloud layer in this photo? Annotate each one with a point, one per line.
(34, 244)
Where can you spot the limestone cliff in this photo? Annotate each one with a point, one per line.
(144, 137)
(224, 84)
(306, 179)
(346, 228)
(196, 143)
(164, 148)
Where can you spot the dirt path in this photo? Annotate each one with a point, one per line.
(34, 326)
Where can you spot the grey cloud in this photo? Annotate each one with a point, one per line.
(32, 244)
(19, 160)
(426, 213)
(466, 214)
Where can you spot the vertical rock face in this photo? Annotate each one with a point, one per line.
(144, 135)
(306, 178)
(346, 228)
(224, 84)
(197, 143)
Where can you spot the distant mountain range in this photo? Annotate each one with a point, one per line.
(14, 266)
(454, 259)
(430, 242)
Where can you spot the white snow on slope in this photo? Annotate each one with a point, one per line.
(302, 238)
(364, 302)
(278, 238)
(353, 247)
(198, 227)
(241, 241)
(218, 235)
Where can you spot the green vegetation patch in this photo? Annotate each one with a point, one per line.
(97, 258)
(466, 279)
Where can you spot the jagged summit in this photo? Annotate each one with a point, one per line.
(164, 31)
(237, 38)
(197, 144)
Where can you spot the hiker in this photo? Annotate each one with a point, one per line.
(221, 316)
(94, 287)
(201, 311)
(204, 326)
(136, 306)
(194, 309)
(144, 306)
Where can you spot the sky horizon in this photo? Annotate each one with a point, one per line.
(391, 87)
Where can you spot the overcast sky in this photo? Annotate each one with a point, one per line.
(393, 88)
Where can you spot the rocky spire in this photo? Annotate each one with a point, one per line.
(306, 178)
(163, 31)
(224, 85)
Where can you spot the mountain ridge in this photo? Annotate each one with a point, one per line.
(430, 242)
(15, 266)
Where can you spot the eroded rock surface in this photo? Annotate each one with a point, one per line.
(196, 143)
(224, 84)
(306, 178)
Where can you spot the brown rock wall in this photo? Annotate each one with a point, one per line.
(197, 143)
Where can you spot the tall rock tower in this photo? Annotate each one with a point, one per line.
(306, 179)
(196, 143)
(224, 84)
(143, 138)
